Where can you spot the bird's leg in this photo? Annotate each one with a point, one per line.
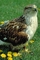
(11, 47)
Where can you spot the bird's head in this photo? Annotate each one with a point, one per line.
(30, 10)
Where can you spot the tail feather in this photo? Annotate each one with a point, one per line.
(2, 26)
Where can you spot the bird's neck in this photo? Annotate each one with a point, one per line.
(29, 20)
(32, 22)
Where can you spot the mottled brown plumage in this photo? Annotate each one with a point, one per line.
(20, 30)
(14, 32)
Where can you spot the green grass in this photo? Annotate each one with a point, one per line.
(10, 9)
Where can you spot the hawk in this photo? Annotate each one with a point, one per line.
(20, 30)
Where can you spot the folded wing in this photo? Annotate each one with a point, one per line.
(13, 32)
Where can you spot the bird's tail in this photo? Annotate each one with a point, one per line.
(0, 33)
(2, 26)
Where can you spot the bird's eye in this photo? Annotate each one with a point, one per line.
(35, 9)
(28, 8)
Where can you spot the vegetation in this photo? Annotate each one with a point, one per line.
(10, 9)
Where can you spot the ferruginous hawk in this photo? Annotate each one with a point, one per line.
(18, 31)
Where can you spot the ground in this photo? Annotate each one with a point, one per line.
(10, 9)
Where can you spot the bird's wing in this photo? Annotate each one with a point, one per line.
(13, 32)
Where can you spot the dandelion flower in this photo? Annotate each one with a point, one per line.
(15, 54)
(19, 54)
(3, 55)
(1, 51)
(9, 52)
(27, 50)
(31, 41)
(2, 22)
(9, 58)
(9, 55)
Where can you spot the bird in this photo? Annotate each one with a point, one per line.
(20, 30)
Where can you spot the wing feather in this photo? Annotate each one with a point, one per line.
(14, 33)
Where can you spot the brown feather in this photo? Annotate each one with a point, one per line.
(14, 32)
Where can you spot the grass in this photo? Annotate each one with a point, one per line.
(10, 9)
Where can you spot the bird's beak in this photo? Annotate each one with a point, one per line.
(35, 9)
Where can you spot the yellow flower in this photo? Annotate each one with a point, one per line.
(15, 54)
(1, 51)
(27, 50)
(19, 54)
(9, 58)
(3, 55)
(9, 52)
(31, 41)
(9, 55)
(2, 22)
